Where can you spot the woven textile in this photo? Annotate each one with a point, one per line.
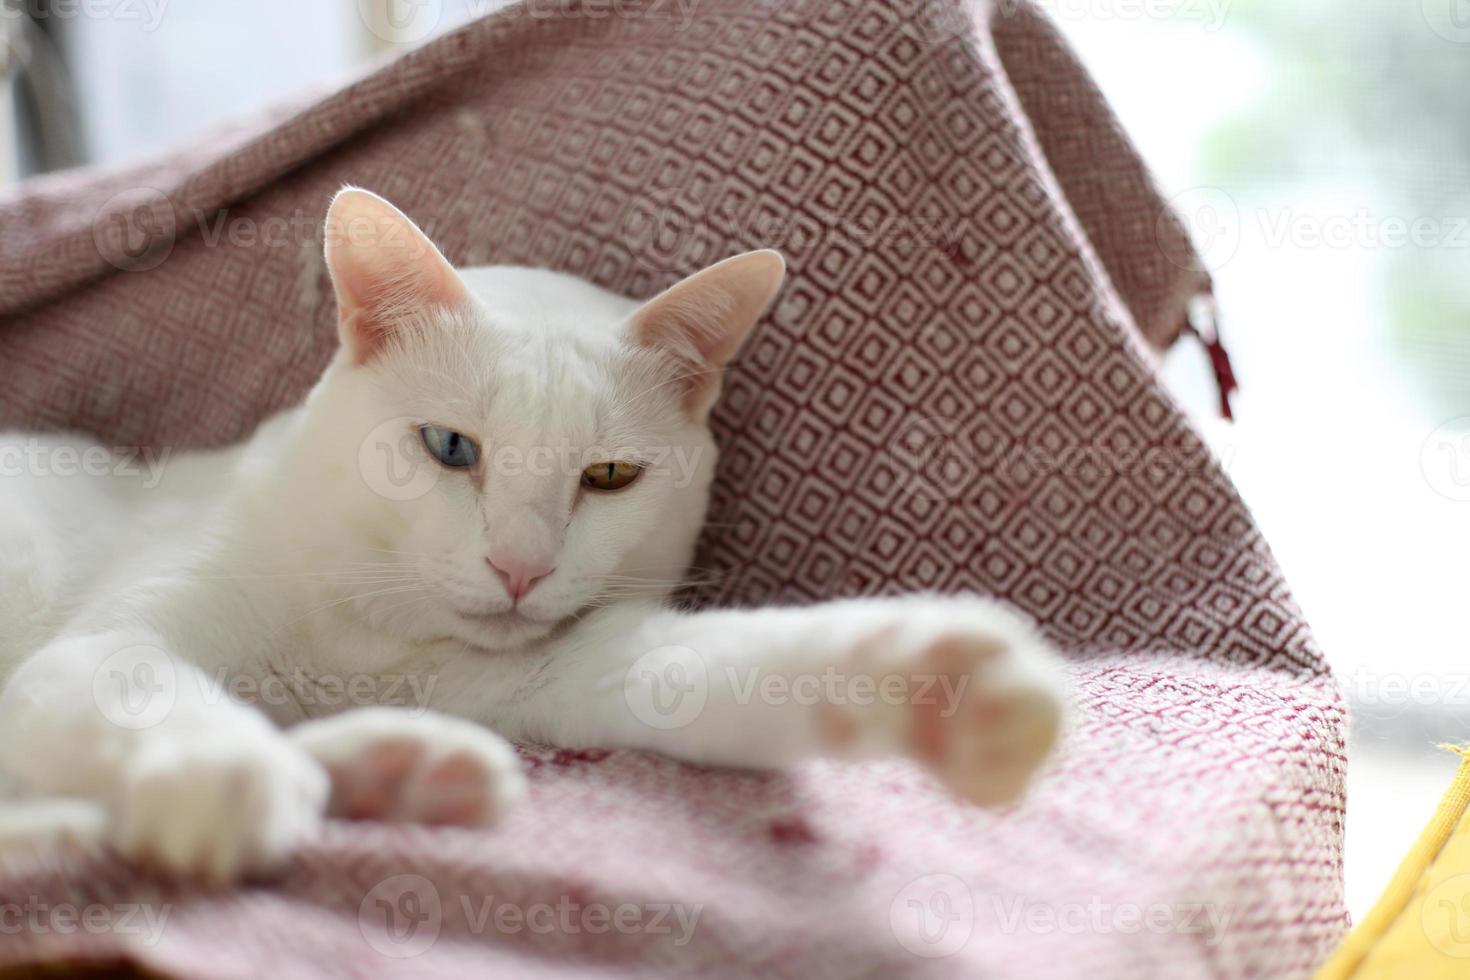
(954, 392)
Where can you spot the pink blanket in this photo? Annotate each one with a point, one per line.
(955, 392)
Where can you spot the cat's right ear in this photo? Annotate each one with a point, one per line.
(703, 320)
(383, 268)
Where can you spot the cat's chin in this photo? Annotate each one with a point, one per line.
(502, 630)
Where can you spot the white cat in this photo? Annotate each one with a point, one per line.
(476, 518)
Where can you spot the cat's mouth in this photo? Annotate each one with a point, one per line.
(505, 616)
(510, 628)
(505, 619)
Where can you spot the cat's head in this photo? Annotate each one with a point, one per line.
(523, 445)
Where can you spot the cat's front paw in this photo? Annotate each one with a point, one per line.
(219, 804)
(970, 690)
(389, 764)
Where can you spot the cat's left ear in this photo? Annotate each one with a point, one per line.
(383, 268)
(704, 319)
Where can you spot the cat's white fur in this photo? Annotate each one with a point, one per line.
(196, 649)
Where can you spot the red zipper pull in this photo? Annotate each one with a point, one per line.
(1203, 321)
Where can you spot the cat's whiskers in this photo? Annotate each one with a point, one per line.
(386, 610)
(357, 597)
(328, 578)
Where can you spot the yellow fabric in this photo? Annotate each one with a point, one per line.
(1420, 927)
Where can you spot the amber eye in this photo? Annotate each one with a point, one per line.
(610, 476)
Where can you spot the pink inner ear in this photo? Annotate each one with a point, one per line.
(384, 269)
(684, 324)
(379, 304)
(689, 328)
(703, 320)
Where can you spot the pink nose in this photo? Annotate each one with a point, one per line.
(518, 577)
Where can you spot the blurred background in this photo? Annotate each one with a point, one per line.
(1320, 153)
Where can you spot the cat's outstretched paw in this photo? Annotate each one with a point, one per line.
(223, 804)
(981, 697)
(992, 725)
(388, 764)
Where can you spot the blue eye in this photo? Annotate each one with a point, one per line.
(449, 447)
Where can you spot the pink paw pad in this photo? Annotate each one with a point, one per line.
(430, 769)
(368, 787)
(454, 792)
(982, 736)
